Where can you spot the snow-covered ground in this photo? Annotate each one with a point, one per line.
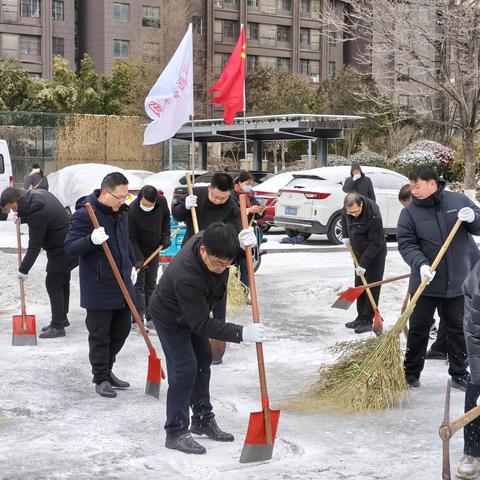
(54, 426)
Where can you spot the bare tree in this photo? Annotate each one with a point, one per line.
(427, 51)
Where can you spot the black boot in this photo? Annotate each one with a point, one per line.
(460, 381)
(52, 332)
(413, 381)
(117, 383)
(105, 389)
(210, 428)
(363, 328)
(353, 324)
(185, 443)
(66, 323)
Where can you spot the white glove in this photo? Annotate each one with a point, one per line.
(356, 177)
(190, 201)
(133, 275)
(425, 272)
(466, 214)
(346, 241)
(360, 271)
(254, 333)
(99, 236)
(247, 238)
(21, 275)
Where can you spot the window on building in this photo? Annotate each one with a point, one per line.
(284, 4)
(403, 100)
(29, 45)
(402, 73)
(121, 48)
(230, 29)
(332, 69)
(58, 47)
(58, 12)
(9, 10)
(284, 34)
(225, 57)
(9, 45)
(30, 8)
(121, 12)
(151, 52)
(283, 64)
(197, 25)
(305, 7)
(253, 3)
(304, 67)
(252, 63)
(151, 16)
(332, 39)
(227, 3)
(252, 31)
(305, 37)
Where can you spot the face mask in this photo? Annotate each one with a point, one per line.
(357, 177)
(247, 188)
(147, 209)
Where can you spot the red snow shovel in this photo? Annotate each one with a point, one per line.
(154, 372)
(24, 326)
(347, 297)
(262, 426)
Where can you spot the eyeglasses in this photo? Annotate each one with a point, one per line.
(217, 263)
(122, 198)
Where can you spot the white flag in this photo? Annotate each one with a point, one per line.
(170, 101)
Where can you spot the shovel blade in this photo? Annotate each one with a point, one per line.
(377, 323)
(346, 298)
(154, 376)
(256, 447)
(24, 332)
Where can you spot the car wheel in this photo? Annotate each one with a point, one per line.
(293, 233)
(334, 233)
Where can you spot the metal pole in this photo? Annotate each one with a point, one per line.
(244, 103)
(193, 152)
(309, 158)
(170, 154)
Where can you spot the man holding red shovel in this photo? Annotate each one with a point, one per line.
(193, 285)
(108, 317)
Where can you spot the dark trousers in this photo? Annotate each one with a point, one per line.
(58, 289)
(440, 344)
(188, 359)
(145, 286)
(451, 314)
(374, 273)
(107, 332)
(471, 432)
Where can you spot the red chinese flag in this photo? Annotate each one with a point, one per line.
(231, 84)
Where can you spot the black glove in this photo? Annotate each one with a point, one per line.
(166, 242)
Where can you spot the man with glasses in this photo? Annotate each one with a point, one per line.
(193, 285)
(108, 316)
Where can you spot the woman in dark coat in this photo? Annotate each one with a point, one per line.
(36, 179)
(358, 182)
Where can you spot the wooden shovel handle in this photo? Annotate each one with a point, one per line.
(21, 280)
(192, 210)
(383, 282)
(158, 250)
(256, 319)
(121, 283)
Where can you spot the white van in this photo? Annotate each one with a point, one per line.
(6, 175)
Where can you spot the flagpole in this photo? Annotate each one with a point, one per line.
(244, 98)
(193, 150)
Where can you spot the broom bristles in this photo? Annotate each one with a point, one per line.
(236, 292)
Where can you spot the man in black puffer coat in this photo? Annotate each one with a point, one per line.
(423, 227)
(362, 228)
(358, 182)
(47, 222)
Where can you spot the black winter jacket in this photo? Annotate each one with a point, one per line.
(207, 213)
(35, 180)
(366, 234)
(148, 230)
(423, 227)
(187, 292)
(47, 227)
(98, 287)
(363, 186)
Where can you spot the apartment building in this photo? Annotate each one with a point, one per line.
(34, 31)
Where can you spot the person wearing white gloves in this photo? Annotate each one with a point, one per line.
(358, 182)
(108, 316)
(188, 308)
(423, 227)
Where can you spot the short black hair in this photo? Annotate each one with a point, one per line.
(11, 195)
(423, 172)
(353, 198)
(405, 193)
(221, 240)
(222, 181)
(149, 193)
(243, 177)
(113, 180)
(36, 165)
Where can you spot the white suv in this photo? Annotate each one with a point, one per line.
(313, 202)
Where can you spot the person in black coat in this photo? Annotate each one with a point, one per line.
(362, 229)
(47, 222)
(36, 179)
(188, 308)
(358, 182)
(213, 204)
(108, 316)
(423, 227)
(149, 227)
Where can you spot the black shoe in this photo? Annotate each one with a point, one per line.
(66, 323)
(353, 324)
(185, 443)
(363, 328)
(52, 332)
(210, 428)
(413, 381)
(435, 355)
(105, 389)
(460, 381)
(117, 383)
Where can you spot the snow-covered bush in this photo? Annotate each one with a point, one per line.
(368, 158)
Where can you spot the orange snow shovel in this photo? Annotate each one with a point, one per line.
(24, 326)
(262, 426)
(154, 372)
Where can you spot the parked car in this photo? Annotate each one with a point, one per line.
(73, 182)
(312, 201)
(6, 175)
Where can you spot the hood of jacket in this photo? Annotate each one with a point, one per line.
(434, 198)
(31, 202)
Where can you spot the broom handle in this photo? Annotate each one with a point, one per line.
(364, 280)
(256, 319)
(192, 210)
(121, 283)
(21, 280)
(158, 250)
